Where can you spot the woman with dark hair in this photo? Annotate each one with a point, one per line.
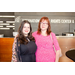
(24, 46)
(45, 40)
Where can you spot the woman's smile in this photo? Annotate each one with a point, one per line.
(26, 30)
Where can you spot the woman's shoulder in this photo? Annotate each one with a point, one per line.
(53, 34)
(34, 33)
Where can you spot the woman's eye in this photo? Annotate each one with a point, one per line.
(24, 27)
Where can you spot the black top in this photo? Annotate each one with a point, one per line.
(71, 54)
(27, 52)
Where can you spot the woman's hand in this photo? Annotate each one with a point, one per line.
(58, 55)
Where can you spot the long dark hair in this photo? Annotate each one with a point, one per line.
(21, 38)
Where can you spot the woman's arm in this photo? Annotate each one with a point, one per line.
(58, 54)
(14, 54)
(56, 47)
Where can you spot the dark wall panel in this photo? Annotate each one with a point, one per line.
(6, 13)
(6, 16)
(7, 19)
(7, 33)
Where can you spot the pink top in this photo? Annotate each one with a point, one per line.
(45, 51)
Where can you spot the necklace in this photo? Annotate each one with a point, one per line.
(28, 40)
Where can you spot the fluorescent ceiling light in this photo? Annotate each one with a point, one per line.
(10, 26)
(4, 28)
(14, 28)
(4, 24)
(1, 21)
(13, 24)
(1, 26)
(10, 21)
(7, 16)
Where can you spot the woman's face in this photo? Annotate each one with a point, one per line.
(44, 25)
(26, 29)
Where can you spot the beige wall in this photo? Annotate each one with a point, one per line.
(57, 28)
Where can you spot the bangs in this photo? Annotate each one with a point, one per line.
(49, 26)
(44, 19)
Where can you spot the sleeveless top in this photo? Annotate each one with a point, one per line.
(26, 53)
